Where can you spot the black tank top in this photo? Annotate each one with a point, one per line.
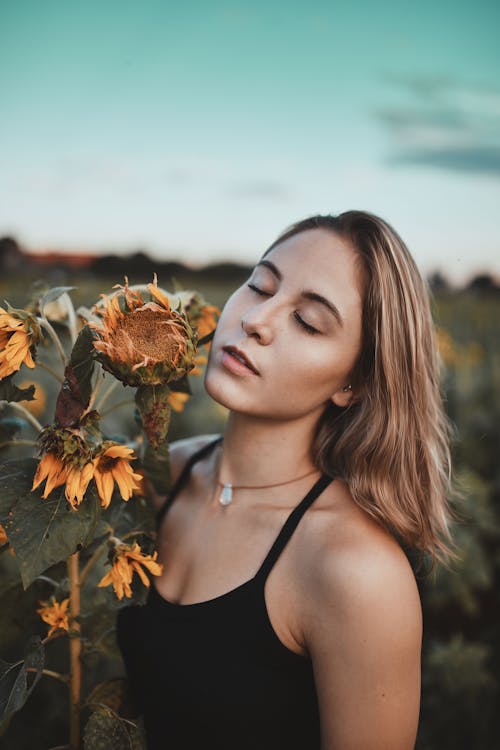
(214, 674)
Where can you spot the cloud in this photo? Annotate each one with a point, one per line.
(445, 124)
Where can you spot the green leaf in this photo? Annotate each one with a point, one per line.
(54, 294)
(42, 532)
(10, 392)
(75, 392)
(82, 361)
(17, 681)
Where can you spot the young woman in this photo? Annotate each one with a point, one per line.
(288, 615)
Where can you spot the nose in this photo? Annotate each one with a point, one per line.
(256, 322)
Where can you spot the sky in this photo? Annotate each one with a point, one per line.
(198, 131)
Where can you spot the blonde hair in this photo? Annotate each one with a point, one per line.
(391, 444)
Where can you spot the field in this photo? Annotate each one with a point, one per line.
(461, 650)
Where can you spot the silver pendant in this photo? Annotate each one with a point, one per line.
(226, 496)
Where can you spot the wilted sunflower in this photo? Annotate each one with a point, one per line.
(110, 465)
(19, 332)
(66, 459)
(128, 558)
(143, 343)
(55, 614)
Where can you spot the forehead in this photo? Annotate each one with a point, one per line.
(322, 261)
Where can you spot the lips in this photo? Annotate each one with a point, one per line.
(241, 356)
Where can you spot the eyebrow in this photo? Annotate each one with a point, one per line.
(306, 293)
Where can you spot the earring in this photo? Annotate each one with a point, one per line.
(347, 388)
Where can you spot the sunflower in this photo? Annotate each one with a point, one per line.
(143, 343)
(110, 465)
(66, 459)
(55, 614)
(19, 332)
(127, 559)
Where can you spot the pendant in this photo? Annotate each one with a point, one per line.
(226, 496)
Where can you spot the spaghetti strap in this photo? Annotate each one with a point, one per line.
(197, 455)
(290, 525)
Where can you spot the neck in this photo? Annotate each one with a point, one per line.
(257, 451)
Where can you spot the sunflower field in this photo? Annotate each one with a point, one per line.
(88, 404)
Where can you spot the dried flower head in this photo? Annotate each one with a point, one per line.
(126, 559)
(112, 464)
(143, 343)
(55, 614)
(19, 334)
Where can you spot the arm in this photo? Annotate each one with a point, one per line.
(364, 636)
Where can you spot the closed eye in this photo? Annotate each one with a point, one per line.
(298, 319)
(305, 325)
(259, 291)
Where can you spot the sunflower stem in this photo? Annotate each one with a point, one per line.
(48, 368)
(55, 338)
(26, 414)
(75, 648)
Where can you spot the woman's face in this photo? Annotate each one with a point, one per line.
(298, 320)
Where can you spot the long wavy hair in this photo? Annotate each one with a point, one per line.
(392, 443)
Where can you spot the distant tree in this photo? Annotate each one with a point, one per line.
(438, 282)
(483, 283)
(11, 255)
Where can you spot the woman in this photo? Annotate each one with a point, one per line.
(287, 615)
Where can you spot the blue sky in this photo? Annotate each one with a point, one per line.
(199, 130)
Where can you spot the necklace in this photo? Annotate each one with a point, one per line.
(226, 496)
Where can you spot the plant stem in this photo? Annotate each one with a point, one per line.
(47, 367)
(50, 673)
(27, 415)
(55, 338)
(75, 647)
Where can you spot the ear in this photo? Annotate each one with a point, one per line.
(342, 397)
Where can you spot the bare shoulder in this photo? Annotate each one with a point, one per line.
(359, 570)
(362, 625)
(180, 452)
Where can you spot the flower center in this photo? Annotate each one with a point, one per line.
(149, 333)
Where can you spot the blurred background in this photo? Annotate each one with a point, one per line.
(182, 138)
